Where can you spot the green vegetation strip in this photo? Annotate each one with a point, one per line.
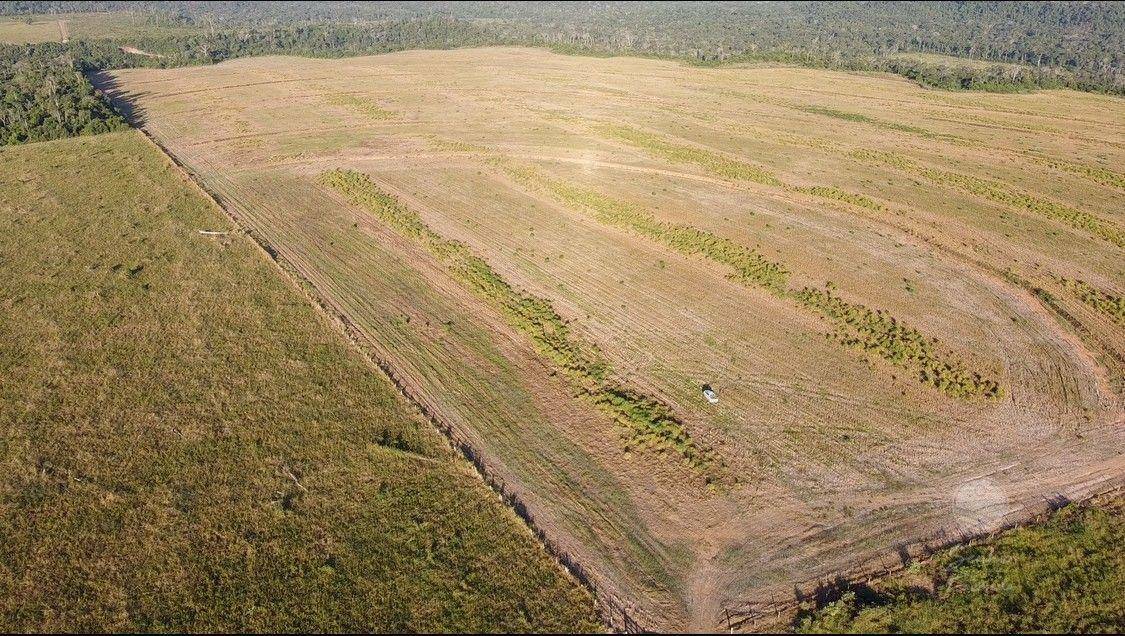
(749, 266)
(1109, 304)
(650, 424)
(870, 330)
(1063, 575)
(1000, 193)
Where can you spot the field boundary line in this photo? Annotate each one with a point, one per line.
(611, 610)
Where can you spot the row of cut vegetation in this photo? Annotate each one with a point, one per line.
(836, 194)
(1097, 174)
(749, 266)
(361, 104)
(1000, 193)
(878, 332)
(650, 424)
(726, 167)
(713, 162)
(872, 331)
(864, 119)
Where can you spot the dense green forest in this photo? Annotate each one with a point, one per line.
(1076, 45)
(47, 97)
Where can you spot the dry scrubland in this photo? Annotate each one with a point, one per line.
(910, 302)
(189, 446)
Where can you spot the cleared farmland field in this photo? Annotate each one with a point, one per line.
(189, 446)
(908, 301)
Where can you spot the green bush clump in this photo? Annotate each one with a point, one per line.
(1109, 304)
(650, 424)
(714, 162)
(904, 346)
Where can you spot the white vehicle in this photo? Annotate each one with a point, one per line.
(710, 394)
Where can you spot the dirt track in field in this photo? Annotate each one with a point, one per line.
(838, 460)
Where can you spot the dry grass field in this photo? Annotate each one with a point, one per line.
(909, 302)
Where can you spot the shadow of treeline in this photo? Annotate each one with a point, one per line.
(124, 102)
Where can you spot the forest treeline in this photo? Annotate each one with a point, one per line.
(1050, 44)
(44, 97)
(1012, 46)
